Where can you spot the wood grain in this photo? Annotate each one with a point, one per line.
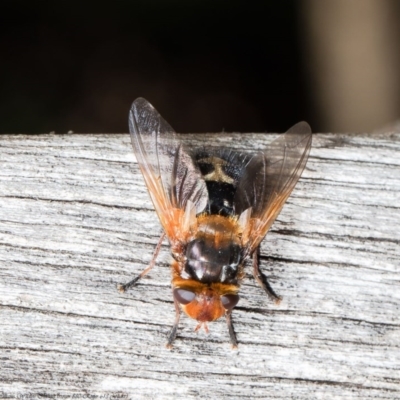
(75, 220)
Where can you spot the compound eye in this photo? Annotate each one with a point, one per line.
(229, 301)
(184, 296)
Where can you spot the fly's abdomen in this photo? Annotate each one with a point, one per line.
(221, 170)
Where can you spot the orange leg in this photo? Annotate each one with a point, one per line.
(124, 288)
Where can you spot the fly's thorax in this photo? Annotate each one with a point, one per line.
(221, 227)
(215, 253)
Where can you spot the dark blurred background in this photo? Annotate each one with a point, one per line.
(205, 65)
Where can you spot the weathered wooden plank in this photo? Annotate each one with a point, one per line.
(75, 220)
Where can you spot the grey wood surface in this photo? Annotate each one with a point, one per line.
(75, 220)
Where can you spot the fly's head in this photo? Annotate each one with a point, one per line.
(206, 302)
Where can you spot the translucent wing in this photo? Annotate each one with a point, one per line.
(269, 178)
(173, 181)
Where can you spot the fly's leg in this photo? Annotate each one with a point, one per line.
(232, 333)
(172, 335)
(124, 288)
(262, 279)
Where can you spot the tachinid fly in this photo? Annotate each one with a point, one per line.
(215, 206)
